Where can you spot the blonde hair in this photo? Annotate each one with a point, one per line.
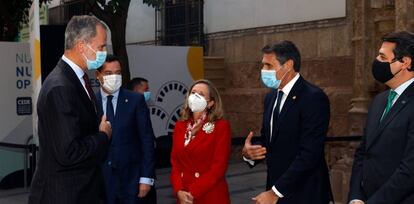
(215, 112)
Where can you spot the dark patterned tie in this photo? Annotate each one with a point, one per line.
(276, 112)
(89, 89)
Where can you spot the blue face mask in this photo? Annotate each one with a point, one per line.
(147, 96)
(98, 62)
(269, 78)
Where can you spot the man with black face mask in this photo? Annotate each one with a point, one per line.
(383, 170)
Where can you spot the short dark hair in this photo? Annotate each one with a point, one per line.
(285, 50)
(404, 44)
(135, 82)
(110, 58)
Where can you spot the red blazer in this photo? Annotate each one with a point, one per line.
(200, 167)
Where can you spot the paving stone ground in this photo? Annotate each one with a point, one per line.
(244, 183)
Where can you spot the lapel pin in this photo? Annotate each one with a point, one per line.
(126, 100)
(294, 97)
(403, 102)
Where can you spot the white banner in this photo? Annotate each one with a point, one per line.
(15, 89)
(170, 72)
(35, 55)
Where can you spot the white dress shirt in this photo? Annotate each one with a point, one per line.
(114, 101)
(78, 71)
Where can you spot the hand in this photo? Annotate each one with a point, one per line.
(357, 202)
(185, 197)
(253, 152)
(143, 190)
(267, 197)
(105, 127)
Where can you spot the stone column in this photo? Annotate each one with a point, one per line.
(361, 42)
(404, 15)
(341, 153)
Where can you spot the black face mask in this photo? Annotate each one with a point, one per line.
(382, 71)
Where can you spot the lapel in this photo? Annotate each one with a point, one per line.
(402, 101)
(200, 136)
(268, 112)
(70, 74)
(99, 107)
(121, 107)
(290, 100)
(187, 151)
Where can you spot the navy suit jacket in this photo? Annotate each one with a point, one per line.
(295, 156)
(131, 151)
(383, 170)
(71, 147)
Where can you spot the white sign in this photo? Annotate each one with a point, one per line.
(170, 72)
(15, 89)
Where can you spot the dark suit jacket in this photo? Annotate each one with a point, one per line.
(71, 148)
(383, 170)
(295, 156)
(131, 153)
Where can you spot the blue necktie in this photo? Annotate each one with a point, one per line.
(110, 115)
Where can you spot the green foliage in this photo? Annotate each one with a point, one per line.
(153, 3)
(12, 13)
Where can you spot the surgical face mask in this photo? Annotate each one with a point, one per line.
(112, 83)
(99, 60)
(269, 78)
(147, 96)
(196, 102)
(382, 71)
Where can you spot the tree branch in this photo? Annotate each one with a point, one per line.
(98, 12)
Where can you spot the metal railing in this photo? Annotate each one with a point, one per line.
(30, 157)
(239, 141)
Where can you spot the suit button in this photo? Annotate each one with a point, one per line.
(196, 174)
(109, 163)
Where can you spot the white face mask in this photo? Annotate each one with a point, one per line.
(112, 83)
(197, 103)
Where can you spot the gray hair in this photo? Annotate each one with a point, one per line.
(81, 28)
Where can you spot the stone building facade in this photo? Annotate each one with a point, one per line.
(336, 55)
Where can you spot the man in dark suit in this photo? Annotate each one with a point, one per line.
(141, 85)
(295, 122)
(72, 140)
(383, 170)
(129, 166)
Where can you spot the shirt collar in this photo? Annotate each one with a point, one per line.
(104, 94)
(400, 89)
(78, 71)
(288, 87)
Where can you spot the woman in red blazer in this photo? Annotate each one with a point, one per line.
(201, 148)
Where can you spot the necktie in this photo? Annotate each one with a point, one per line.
(390, 98)
(89, 89)
(276, 111)
(110, 114)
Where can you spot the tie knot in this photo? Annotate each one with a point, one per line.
(86, 78)
(280, 93)
(391, 96)
(109, 97)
